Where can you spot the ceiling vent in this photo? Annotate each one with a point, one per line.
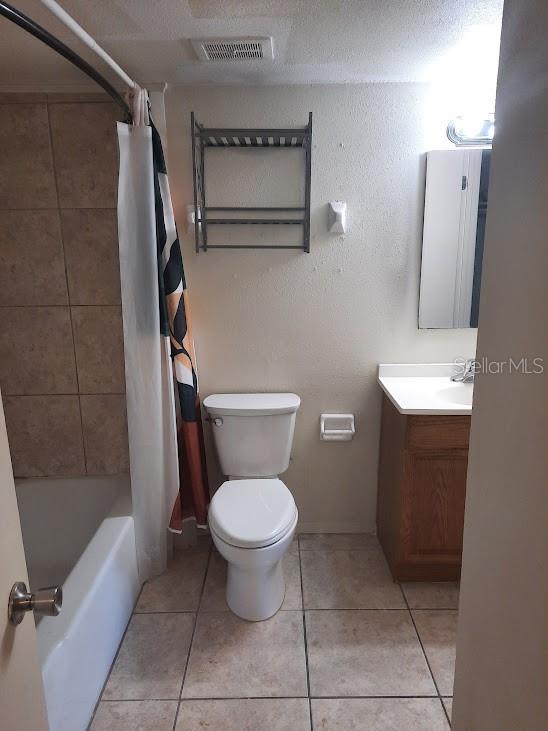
(233, 49)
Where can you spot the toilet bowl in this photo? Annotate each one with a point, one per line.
(253, 516)
(252, 523)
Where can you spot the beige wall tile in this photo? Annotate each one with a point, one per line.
(22, 97)
(32, 270)
(64, 97)
(85, 154)
(45, 435)
(99, 344)
(152, 658)
(27, 179)
(105, 434)
(36, 351)
(137, 715)
(90, 238)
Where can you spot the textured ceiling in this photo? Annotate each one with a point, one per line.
(315, 41)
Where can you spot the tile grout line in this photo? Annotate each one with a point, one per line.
(100, 699)
(273, 697)
(179, 700)
(304, 632)
(425, 656)
(62, 238)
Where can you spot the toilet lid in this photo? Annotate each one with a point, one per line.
(252, 513)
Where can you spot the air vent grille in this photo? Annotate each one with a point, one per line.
(233, 49)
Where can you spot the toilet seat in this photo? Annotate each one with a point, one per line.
(252, 513)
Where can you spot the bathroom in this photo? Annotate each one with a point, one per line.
(347, 627)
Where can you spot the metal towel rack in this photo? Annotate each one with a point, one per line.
(214, 137)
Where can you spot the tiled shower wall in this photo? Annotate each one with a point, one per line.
(61, 342)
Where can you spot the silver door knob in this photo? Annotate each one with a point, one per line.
(47, 601)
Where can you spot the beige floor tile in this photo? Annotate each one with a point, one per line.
(365, 653)
(250, 714)
(448, 703)
(342, 579)
(152, 658)
(232, 658)
(432, 595)
(179, 588)
(134, 716)
(378, 714)
(214, 597)
(313, 541)
(438, 632)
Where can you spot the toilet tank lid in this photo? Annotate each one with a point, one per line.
(251, 404)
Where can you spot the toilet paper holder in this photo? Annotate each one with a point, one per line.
(337, 427)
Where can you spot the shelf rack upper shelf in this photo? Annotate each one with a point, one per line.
(232, 137)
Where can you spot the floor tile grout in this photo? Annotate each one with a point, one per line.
(192, 636)
(179, 700)
(426, 659)
(304, 634)
(100, 698)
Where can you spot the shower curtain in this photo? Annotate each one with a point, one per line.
(168, 474)
(175, 324)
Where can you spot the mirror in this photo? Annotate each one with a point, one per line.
(455, 209)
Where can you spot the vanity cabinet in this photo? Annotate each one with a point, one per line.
(422, 489)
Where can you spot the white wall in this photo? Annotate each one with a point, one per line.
(319, 323)
(502, 650)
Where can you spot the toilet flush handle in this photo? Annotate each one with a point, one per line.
(217, 421)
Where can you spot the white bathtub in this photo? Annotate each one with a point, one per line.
(79, 532)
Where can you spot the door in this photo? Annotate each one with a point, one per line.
(22, 704)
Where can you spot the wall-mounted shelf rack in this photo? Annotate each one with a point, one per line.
(204, 138)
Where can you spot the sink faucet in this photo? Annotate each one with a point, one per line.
(467, 374)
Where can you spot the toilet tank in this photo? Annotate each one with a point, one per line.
(253, 432)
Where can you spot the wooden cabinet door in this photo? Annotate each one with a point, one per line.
(433, 511)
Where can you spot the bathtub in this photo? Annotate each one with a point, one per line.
(79, 532)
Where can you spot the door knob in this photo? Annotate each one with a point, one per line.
(47, 601)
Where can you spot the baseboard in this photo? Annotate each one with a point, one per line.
(305, 526)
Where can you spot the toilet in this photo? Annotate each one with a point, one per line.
(253, 516)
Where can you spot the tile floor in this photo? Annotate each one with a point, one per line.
(348, 650)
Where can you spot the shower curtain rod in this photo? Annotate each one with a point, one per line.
(26, 23)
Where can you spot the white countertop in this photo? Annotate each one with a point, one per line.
(425, 388)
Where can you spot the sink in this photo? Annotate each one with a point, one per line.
(458, 393)
(425, 388)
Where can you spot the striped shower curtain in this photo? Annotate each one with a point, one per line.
(175, 323)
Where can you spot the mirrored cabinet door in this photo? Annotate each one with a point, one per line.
(455, 209)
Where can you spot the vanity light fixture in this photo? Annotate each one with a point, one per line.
(470, 131)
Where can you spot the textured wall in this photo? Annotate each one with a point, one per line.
(502, 648)
(61, 346)
(317, 324)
